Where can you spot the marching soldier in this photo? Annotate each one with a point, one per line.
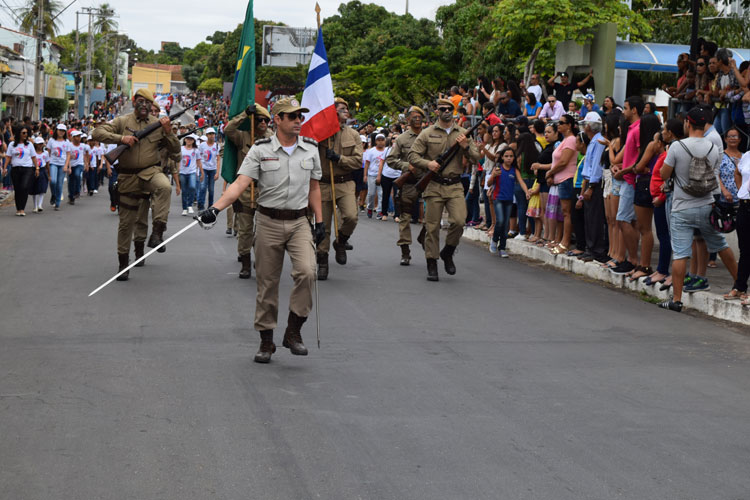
(445, 189)
(287, 169)
(244, 207)
(139, 171)
(343, 151)
(408, 195)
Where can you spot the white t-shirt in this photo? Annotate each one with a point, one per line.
(189, 162)
(374, 156)
(108, 148)
(58, 151)
(42, 158)
(536, 90)
(743, 167)
(20, 154)
(679, 159)
(77, 154)
(388, 171)
(209, 154)
(96, 154)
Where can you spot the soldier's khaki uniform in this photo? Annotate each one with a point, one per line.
(283, 184)
(408, 195)
(139, 171)
(347, 143)
(444, 191)
(171, 166)
(244, 207)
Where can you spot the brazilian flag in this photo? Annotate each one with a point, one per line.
(243, 91)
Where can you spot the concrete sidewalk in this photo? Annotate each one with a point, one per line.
(710, 303)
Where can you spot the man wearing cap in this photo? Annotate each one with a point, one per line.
(287, 170)
(139, 171)
(343, 153)
(209, 152)
(564, 89)
(244, 206)
(445, 190)
(588, 105)
(592, 195)
(398, 158)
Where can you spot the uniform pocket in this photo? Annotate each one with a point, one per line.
(306, 164)
(270, 165)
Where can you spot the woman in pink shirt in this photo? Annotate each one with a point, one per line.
(561, 175)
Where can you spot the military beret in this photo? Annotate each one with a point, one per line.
(444, 102)
(339, 100)
(145, 94)
(261, 110)
(417, 109)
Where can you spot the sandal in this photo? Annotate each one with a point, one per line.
(558, 250)
(735, 295)
(745, 303)
(645, 271)
(611, 264)
(711, 264)
(574, 253)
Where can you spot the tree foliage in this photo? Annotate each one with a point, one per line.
(212, 86)
(55, 108)
(29, 15)
(287, 80)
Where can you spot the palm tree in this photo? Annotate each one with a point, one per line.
(29, 17)
(105, 22)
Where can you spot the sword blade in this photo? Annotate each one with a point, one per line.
(175, 235)
(317, 310)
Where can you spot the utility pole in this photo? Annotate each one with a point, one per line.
(77, 74)
(407, 7)
(89, 50)
(38, 97)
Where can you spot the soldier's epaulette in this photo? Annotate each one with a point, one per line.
(310, 140)
(264, 140)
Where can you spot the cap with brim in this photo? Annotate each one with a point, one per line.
(363, 138)
(60, 126)
(204, 138)
(193, 137)
(697, 117)
(340, 100)
(288, 106)
(444, 102)
(589, 97)
(417, 109)
(145, 94)
(380, 136)
(75, 133)
(210, 130)
(262, 111)
(592, 117)
(38, 140)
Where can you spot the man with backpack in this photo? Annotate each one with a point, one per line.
(692, 164)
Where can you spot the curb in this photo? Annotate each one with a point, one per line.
(711, 304)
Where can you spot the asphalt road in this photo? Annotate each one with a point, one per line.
(506, 381)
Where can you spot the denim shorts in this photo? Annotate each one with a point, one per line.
(565, 189)
(616, 184)
(682, 226)
(626, 208)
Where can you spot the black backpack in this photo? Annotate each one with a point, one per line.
(701, 176)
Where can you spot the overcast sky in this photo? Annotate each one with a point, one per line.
(188, 22)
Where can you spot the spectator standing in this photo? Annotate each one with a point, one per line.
(742, 174)
(534, 88)
(527, 153)
(561, 173)
(565, 88)
(503, 179)
(691, 212)
(21, 158)
(592, 193)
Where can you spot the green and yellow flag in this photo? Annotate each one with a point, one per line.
(243, 90)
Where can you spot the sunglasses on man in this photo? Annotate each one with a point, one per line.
(444, 109)
(294, 116)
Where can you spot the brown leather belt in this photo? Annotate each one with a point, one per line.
(446, 181)
(338, 179)
(280, 214)
(130, 171)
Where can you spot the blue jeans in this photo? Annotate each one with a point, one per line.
(91, 183)
(74, 181)
(56, 179)
(665, 244)
(502, 218)
(523, 205)
(472, 203)
(206, 185)
(723, 120)
(683, 224)
(187, 183)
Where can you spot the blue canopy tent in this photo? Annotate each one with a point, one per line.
(658, 56)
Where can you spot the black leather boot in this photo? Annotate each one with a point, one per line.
(157, 236)
(267, 347)
(293, 336)
(123, 258)
(247, 266)
(339, 245)
(322, 266)
(432, 272)
(348, 246)
(139, 247)
(405, 255)
(420, 238)
(447, 255)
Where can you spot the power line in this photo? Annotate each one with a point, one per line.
(10, 9)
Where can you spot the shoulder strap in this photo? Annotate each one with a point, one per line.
(686, 149)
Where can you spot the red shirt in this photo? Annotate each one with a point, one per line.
(493, 120)
(656, 180)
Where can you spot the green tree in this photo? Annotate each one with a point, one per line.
(55, 108)
(171, 53)
(192, 75)
(212, 86)
(105, 21)
(217, 38)
(29, 15)
(282, 80)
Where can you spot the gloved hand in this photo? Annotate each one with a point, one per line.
(332, 155)
(319, 232)
(250, 110)
(207, 218)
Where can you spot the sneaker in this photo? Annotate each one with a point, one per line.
(697, 285)
(369, 214)
(40, 209)
(229, 231)
(112, 208)
(688, 279)
(184, 213)
(396, 219)
(623, 268)
(520, 237)
(35, 211)
(190, 210)
(96, 191)
(57, 209)
(672, 305)
(511, 234)
(493, 247)
(379, 216)
(503, 254)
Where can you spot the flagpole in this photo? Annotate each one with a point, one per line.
(330, 163)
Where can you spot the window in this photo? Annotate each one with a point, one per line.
(159, 88)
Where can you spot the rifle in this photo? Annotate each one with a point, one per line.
(113, 155)
(443, 160)
(369, 121)
(182, 136)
